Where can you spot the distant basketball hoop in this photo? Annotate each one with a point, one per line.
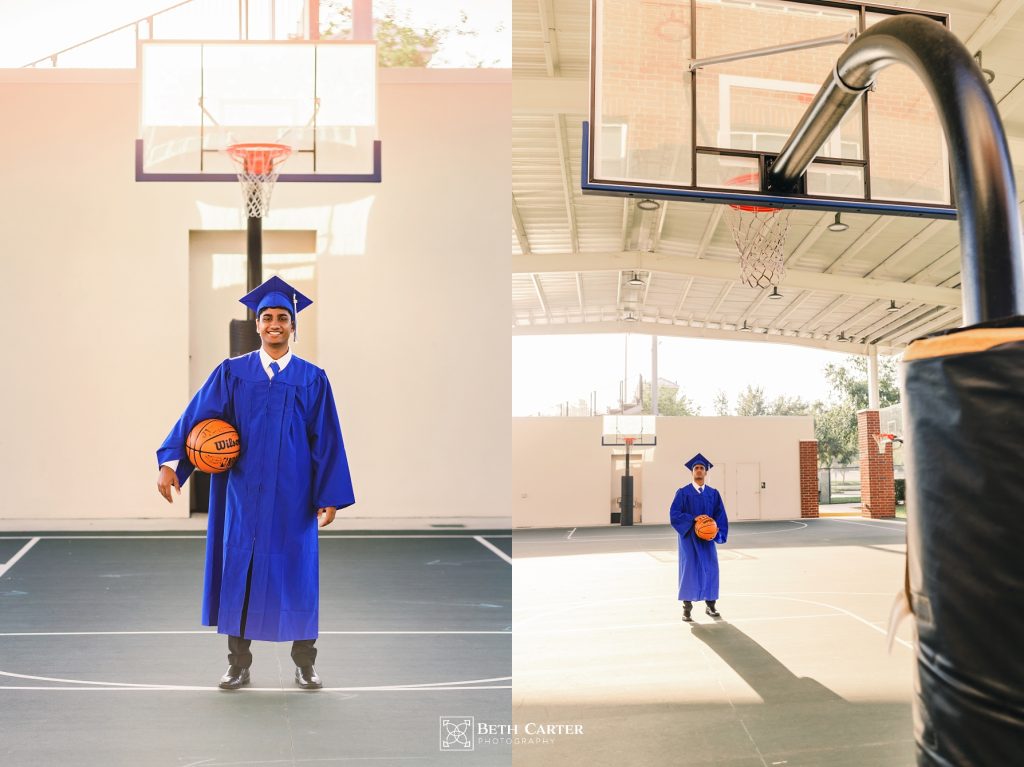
(884, 439)
(257, 171)
(760, 236)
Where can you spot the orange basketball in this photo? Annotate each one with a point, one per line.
(213, 446)
(705, 527)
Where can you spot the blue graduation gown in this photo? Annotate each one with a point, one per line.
(263, 510)
(698, 559)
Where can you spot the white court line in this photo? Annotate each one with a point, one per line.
(673, 536)
(494, 548)
(214, 633)
(428, 686)
(183, 688)
(14, 560)
(203, 537)
(887, 528)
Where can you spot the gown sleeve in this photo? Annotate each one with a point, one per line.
(213, 400)
(679, 514)
(720, 519)
(332, 483)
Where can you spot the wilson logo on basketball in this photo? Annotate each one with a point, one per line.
(224, 444)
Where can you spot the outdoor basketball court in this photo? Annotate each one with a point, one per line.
(104, 661)
(795, 673)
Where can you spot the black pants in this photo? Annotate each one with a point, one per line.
(688, 605)
(303, 651)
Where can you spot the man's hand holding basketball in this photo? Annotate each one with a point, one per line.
(326, 515)
(166, 481)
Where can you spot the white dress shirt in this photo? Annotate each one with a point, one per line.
(698, 488)
(265, 360)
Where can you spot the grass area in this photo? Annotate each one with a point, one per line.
(845, 499)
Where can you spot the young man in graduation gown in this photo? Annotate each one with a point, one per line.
(698, 559)
(262, 551)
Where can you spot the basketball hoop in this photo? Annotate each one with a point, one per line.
(760, 236)
(629, 441)
(257, 171)
(884, 439)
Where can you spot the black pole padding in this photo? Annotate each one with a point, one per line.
(992, 266)
(963, 426)
(243, 337)
(626, 505)
(254, 252)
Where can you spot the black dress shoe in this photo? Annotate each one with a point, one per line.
(686, 615)
(306, 678)
(234, 678)
(712, 612)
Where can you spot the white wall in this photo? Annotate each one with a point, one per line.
(560, 471)
(412, 310)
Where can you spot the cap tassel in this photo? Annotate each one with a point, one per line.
(295, 327)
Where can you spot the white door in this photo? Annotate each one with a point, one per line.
(748, 492)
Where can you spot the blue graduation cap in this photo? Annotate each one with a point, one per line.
(277, 294)
(701, 460)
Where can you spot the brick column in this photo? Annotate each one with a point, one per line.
(877, 490)
(809, 478)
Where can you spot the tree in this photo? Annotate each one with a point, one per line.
(722, 403)
(753, 402)
(849, 381)
(670, 400)
(398, 43)
(835, 424)
(837, 441)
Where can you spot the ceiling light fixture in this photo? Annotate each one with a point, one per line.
(775, 295)
(892, 306)
(636, 282)
(746, 328)
(648, 204)
(630, 317)
(837, 225)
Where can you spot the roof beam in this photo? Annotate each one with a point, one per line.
(567, 187)
(726, 270)
(995, 21)
(718, 301)
(540, 295)
(792, 307)
(552, 60)
(579, 291)
(517, 223)
(808, 242)
(717, 211)
(682, 298)
(860, 243)
(812, 324)
(665, 327)
(907, 248)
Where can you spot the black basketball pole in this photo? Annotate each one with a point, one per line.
(963, 391)
(626, 515)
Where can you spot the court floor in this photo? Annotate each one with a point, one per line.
(103, 660)
(797, 672)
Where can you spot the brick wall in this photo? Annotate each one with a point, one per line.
(808, 478)
(877, 490)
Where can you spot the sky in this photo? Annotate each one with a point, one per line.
(548, 370)
(33, 29)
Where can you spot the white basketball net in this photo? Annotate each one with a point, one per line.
(258, 169)
(256, 191)
(760, 237)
